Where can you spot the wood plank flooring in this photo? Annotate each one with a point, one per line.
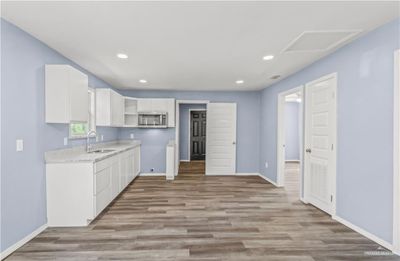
(198, 217)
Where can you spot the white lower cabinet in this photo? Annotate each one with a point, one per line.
(78, 192)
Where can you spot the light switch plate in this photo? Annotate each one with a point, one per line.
(132, 136)
(266, 165)
(102, 137)
(20, 145)
(65, 141)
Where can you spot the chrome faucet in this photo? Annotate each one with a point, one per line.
(88, 136)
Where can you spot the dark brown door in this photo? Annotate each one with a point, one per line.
(198, 135)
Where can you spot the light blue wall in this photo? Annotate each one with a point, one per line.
(364, 129)
(23, 202)
(292, 131)
(184, 128)
(248, 128)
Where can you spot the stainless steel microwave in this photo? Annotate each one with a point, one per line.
(152, 120)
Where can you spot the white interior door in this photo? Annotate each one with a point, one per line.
(320, 139)
(221, 139)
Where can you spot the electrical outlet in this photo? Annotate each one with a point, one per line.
(65, 141)
(132, 136)
(266, 164)
(152, 170)
(20, 145)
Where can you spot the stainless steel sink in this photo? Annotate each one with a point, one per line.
(101, 151)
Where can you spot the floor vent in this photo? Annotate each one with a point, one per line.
(318, 41)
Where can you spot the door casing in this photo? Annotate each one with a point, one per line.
(396, 155)
(177, 127)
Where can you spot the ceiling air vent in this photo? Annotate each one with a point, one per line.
(317, 41)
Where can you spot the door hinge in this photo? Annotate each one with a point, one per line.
(333, 95)
(331, 198)
(332, 147)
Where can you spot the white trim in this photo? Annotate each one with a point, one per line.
(184, 160)
(219, 174)
(363, 232)
(352, 33)
(22, 242)
(189, 141)
(281, 136)
(151, 174)
(247, 173)
(396, 155)
(333, 76)
(269, 180)
(303, 200)
(177, 125)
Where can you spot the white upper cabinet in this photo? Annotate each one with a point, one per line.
(109, 108)
(158, 105)
(66, 94)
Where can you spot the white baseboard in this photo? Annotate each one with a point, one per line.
(363, 232)
(247, 174)
(22, 242)
(184, 160)
(219, 174)
(303, 200)
(270, 181)
(152, 174)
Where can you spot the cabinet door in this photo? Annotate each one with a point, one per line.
(117, 109)
(160, 105)
(124, 172)
(115, 178)
(136, 161)
(78, 96)
(131, 167)
(144, 105)
(103, 190)
(171, 112)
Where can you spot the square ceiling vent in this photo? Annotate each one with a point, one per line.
(317, 41)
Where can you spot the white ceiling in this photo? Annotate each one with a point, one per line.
(192, 45)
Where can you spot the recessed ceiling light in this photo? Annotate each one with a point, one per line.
(268, 57)
(239, 82)
(143, 81)
(122, 56)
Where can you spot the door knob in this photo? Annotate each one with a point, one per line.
(234, 142)
(308, 150)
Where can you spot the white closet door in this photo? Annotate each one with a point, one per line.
(221, 139)
(320, 132)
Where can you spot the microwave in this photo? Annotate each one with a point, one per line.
(152, 120)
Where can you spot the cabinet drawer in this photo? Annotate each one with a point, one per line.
(102, 180)
(98, 166)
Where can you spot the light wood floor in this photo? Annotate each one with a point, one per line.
(198, 217)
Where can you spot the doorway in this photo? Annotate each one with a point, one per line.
(197, 135)
(191, 137)
(290, 142)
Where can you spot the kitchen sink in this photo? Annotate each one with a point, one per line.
(101, 151)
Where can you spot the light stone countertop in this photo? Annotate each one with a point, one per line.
(79, 154)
